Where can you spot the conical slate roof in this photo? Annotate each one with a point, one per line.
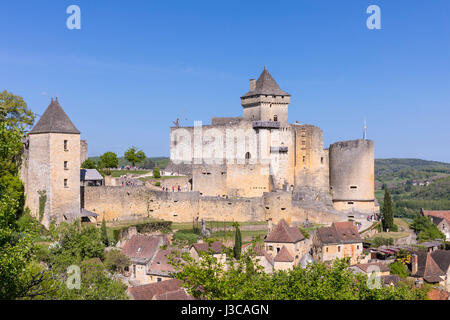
(54, 120)
(266, 85)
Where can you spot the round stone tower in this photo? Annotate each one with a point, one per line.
(352, 175)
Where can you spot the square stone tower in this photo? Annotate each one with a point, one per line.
(53, 171)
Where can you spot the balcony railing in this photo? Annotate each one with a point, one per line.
(266, 124)
(278, 149)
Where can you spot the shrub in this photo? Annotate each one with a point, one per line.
(156, 173)
(399, 269)
(379, 241)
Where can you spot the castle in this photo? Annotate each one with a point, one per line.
(261, 152)
(254, 167)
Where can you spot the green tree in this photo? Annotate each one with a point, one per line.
(89, 164)
(399, 269)
(156, 173)
(76, 243)
(96, 284)
(105, 239)
(237, 241)
(208, 278)
(14, 112)
(18, 277)
(425, 229)
(134, 156)
(109, 160)
(388, 216)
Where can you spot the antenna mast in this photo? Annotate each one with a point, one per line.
(365, 130)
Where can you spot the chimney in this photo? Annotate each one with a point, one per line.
(270, 224)
(252, 84)
(414, 263)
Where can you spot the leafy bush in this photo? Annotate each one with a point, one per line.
(156, 173)
(399, 269)
(425, 229)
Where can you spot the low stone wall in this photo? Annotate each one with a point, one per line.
(127, 203)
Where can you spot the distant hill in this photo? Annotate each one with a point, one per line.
(413, 184)
(394, 166)
(149, 163)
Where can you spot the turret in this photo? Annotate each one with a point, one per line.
(265, 101)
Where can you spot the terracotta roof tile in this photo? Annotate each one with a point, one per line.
(365, 266)
(160, 265)
(141, 248)
(428, 268)
(445, 214)
(216, 247)
(164, 290)
(437, 294)
(340, 233)
(284, 233)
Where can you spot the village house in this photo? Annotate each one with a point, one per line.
(262, 257)
(283, 260)
(289, 237)
(432, 267)
(166, 290)
(441, 218)
(141, 250)
(340, 240)
(368, 268)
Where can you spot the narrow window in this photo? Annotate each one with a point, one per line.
(65, 183)
(353, 187)
(304, 158)
(275, 118)
(247, 156)
(65, 145)
(65, 165)
(321, 160)
(339, 249)
(158, 279)
(326, 249)
(350, 202)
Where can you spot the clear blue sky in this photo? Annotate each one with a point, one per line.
(135, 66)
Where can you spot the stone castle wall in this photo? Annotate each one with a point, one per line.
(126, 203)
